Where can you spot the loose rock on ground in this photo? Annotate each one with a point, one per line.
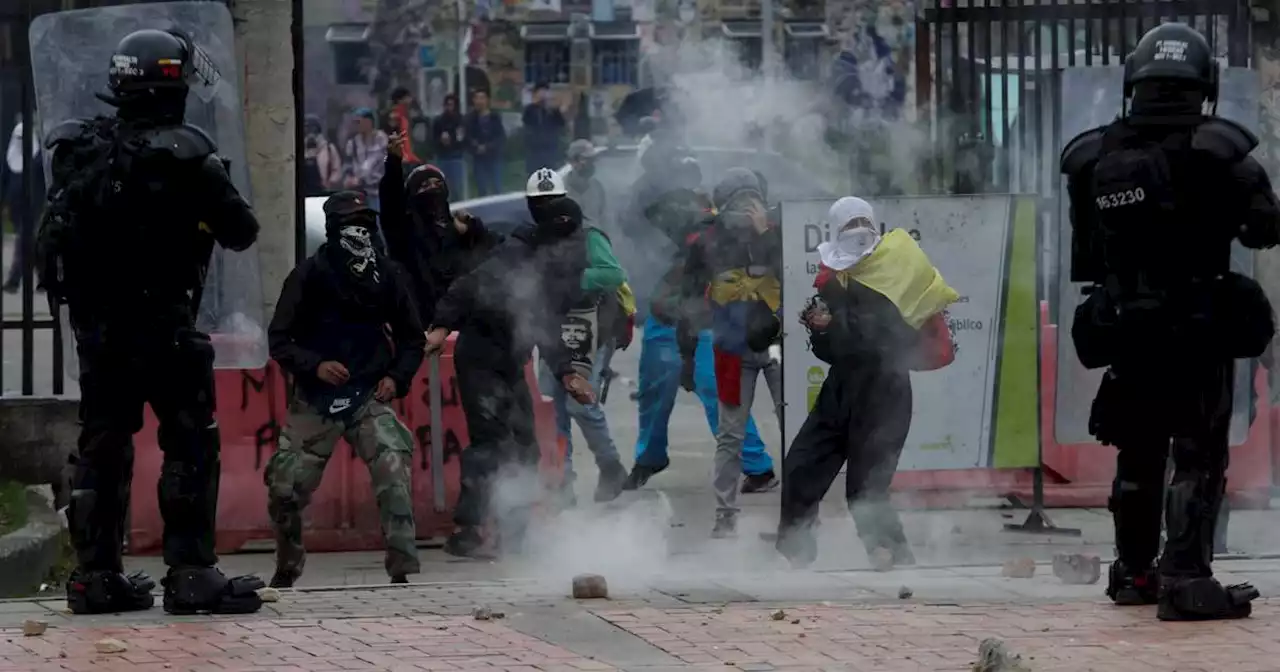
(590, 587)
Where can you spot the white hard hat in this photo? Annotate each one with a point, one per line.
(545, 182)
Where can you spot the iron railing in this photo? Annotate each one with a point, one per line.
(988, 75)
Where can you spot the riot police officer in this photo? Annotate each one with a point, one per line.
(1157, 197)
(137, 201)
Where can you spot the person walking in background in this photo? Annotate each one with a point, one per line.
(543, 125)
(366, 154)
(321, 163)
(450, 150)
(20, 203)
(486, 138)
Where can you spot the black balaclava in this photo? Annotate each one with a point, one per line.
(556, 218)
(428, 203)
(1168, 98)
(161, 107)
(351, 248)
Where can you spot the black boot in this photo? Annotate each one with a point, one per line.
(465, 542)
(640, 474)
(107, 592)
(206, 590)
(1130, 588)
(283, 578)
(613, 477)
(1203, 599)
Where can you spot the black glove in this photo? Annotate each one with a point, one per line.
(686, 375)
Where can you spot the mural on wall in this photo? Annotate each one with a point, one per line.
(878, 39)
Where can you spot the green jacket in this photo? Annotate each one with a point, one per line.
(604, 274)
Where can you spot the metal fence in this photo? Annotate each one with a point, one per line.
(988, 77)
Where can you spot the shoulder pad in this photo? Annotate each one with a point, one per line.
(1081, 151)
(1224, 139)
(185, 141)
(68, 131)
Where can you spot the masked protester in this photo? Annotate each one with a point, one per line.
(435, 245)
(682, 215)
(517, 298)
(878, 315)
(737, 264)
(137, 202)
(598, 322)
(330, 333)
(1157, 197)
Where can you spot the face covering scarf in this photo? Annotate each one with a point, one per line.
(850, 246)
(361, 258)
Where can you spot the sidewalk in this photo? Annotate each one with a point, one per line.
(829, 621)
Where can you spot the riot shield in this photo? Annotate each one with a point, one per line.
(1091, 97)
(70, 55)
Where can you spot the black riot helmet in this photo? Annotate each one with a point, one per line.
(152, 70)
(1173, 52)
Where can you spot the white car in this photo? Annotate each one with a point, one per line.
(617, 167)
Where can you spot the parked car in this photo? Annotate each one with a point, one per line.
(618, 168)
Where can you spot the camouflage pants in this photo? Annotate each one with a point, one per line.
(295, 470)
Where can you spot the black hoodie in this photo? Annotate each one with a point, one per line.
(321, 316)
(518, 297)
(421, 237)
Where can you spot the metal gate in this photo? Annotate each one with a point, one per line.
(988, 77)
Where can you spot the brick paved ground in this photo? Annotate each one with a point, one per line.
(637, 635)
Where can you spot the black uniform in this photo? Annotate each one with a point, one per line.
(515, 299)
(1156, 199)
(862, 416)
(421, 236)
(137, 202)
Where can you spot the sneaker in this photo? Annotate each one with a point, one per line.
(726, 526)
(640, 474)
(760, 482)
(1203, 599)
(399, 578)
(283, 578)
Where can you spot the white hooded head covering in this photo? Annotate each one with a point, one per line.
(851, 246)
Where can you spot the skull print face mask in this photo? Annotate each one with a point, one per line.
(357, 242)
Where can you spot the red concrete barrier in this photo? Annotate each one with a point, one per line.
(342, 516)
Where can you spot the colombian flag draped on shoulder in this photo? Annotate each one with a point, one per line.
(898, 269)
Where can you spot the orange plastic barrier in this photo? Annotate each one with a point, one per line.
(342, 515)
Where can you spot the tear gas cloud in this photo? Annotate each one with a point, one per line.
(634, 541)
